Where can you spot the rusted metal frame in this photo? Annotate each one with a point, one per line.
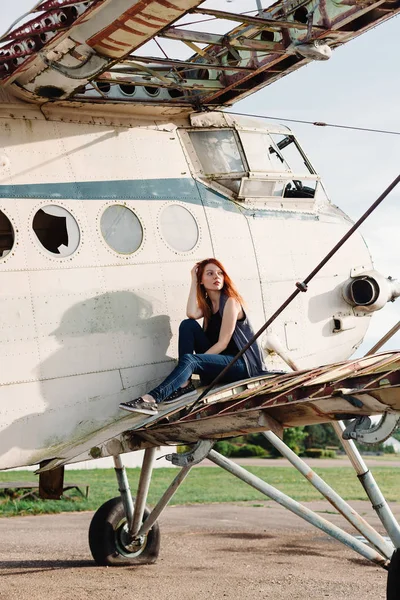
(355, 12)
(26, 31)
(385, 338)
(386, 375)
(386, 359)
(371, 370)
(187, 65)
(162, 503)
(240, 402)
(285, 387)
(142, 491)
(293, 388)
(242, 397)
(298, 509)
(260, 22)
(319, 484)
(357, 383)
(53, 41)
(355, 366)
(163, 82)
(139, 67)
(50, 4)
(256, 398)
(272, 59)
(342, 375)
(370, 486)
(224, 405)
(183, 101)
(264, 68)
(215, 39)
(288, 387)
(234, 400)
(124, 489)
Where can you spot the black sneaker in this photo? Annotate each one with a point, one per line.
(141, 406)
(189, 389)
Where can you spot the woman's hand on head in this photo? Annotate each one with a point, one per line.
(193, 272)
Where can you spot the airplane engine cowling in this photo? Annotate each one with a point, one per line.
(370, 291)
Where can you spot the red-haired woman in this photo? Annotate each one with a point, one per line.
(207, 351)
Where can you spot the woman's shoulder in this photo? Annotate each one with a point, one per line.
(234, 304)
(228, 301)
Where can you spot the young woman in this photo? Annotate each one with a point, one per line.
(207, 351)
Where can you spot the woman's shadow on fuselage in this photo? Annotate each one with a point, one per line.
(105, 348)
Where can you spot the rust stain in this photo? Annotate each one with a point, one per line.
(126, 16)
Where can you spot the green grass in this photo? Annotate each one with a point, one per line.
(203, 485)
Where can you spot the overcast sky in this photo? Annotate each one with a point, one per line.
(358, 86)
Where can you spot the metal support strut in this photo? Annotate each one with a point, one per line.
(143, 489)
(345, 509)
(187, 460)
(123, 487)
(297, 508)
(370, 486)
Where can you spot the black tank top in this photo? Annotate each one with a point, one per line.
(212, 333)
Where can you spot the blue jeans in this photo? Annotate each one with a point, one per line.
(193, 339)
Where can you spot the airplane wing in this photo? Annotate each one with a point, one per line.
(178, 53)
(362, 387)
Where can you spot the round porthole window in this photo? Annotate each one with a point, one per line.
(179, 228)
(57, 230)
(121, 229)
(6, 235)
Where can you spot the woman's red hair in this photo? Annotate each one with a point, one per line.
(229, 289)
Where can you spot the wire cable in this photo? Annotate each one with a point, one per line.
(316, 123)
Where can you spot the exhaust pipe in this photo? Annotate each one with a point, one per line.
(370, 291)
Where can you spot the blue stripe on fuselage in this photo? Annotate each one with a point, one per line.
(184, 189)
(130, 189)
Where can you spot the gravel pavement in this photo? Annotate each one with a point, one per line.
(246, 551)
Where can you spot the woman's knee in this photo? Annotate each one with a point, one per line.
(188, 359)
(188, 325)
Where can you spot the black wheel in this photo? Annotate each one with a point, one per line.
(393, 582)
(110, 543)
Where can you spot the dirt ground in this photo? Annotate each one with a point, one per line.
(220, 551)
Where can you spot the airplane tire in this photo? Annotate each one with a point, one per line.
(109, 542)
(393, 582)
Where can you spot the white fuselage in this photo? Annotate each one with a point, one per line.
(85, 326)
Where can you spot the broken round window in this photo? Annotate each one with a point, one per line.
(6, 235)
(121, 229)
(179, 228)
(57, 230)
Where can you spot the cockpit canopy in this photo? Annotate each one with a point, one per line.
(250, 163)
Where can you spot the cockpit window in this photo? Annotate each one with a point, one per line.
(261, 152)
(285, 151)
(217, 151)
(274, 153)
(252, 163)
(6, 235)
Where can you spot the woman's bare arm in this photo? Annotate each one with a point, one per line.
(232, 312)
(192, 309)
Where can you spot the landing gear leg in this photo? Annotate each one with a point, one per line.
(110, 534)
(124, 532)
